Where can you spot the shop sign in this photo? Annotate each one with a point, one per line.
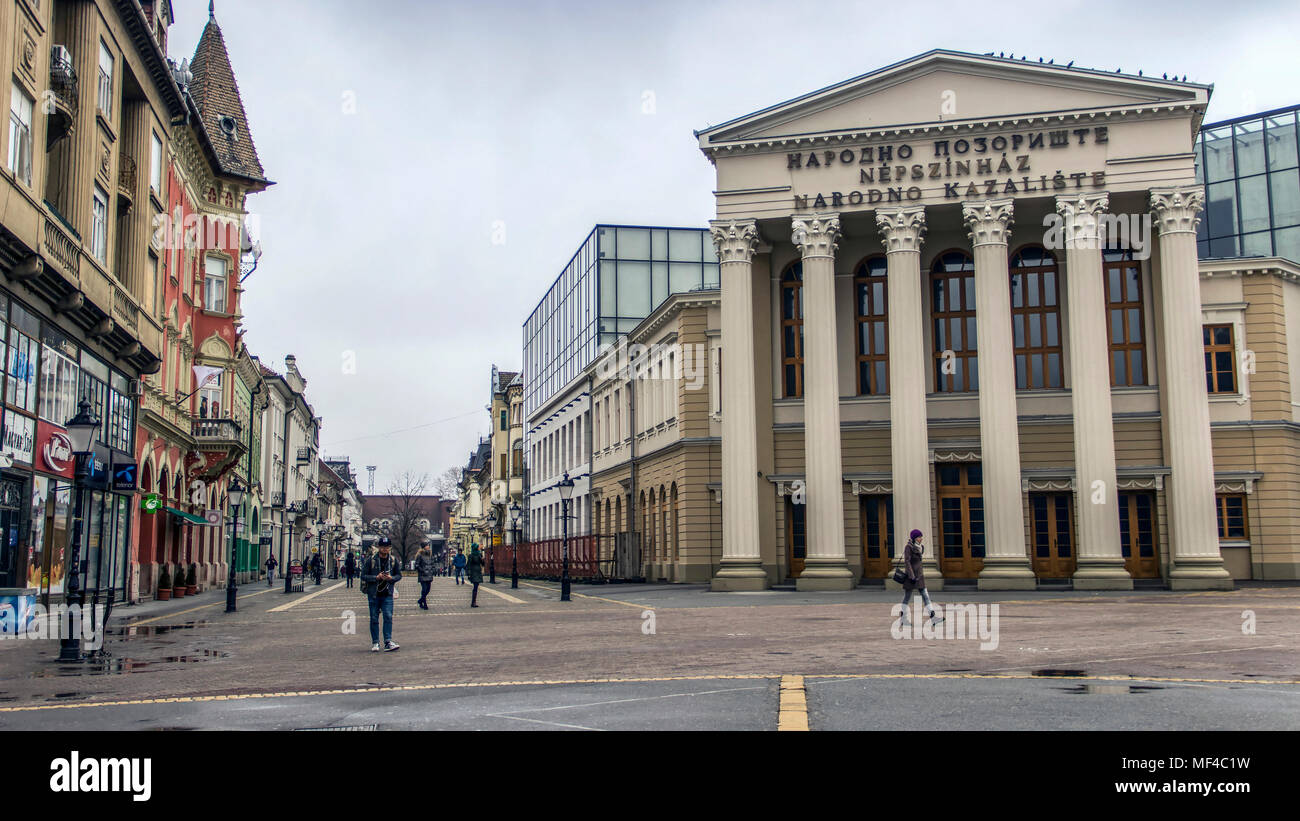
(56, 454)
(125, 471)
(151, 503)
(97, 468)
(19, 437)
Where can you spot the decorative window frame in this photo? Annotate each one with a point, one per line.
(1234, 314)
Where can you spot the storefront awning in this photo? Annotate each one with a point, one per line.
(186, 517)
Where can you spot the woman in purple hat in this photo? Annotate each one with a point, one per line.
(916, 576)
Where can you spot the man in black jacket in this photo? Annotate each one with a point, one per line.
(379, 578)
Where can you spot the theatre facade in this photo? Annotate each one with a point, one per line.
(962, 294)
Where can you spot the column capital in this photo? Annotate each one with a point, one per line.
(902, 228)
(816, 235)
(987, 222)
(1082, 213)
(736, 240)
(1177, 210)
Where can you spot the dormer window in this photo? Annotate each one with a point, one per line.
(229, 127)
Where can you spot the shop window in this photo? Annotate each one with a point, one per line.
(872, 289)
(792, 331)
(1035, 319)
(952, 290)
(1232, 516)
(1220, 359)
(1123, 278)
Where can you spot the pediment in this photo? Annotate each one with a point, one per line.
(943, 87)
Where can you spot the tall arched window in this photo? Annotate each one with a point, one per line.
(1124, 311)
(677, 539)
(1036, 318)
(873, 327)
(792, 331)
(952, 292)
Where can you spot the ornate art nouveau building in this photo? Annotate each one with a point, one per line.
(962, 294)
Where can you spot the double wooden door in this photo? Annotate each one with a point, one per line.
(878, 552)
(1052, 519)
(961, 520)
(1137, 534)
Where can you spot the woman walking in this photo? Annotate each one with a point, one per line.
(424, 568)
(916, 576)
(475, 567)
(350, 567)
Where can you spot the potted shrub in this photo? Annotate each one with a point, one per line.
(192, 580)
(178, 589)
(165, 585)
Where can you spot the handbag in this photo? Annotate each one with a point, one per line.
(900, 575)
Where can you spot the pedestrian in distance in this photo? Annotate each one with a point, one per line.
(424, 569)
(271, 564)
(475, 568)
(379, 578)
(316, 567)
(916, 576)
(459, 564)
(350, 567)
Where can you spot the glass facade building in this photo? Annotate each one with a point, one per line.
(616, 279)
(1250, 167)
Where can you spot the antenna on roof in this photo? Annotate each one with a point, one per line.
(212, 13)
(370, 486)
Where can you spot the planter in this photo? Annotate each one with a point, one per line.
(191, 589)
(178, 592)
(164, 594)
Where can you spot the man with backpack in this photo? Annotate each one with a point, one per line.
(379, 578)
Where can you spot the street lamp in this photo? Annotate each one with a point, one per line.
(492, 546)
(565, 486)
(320, 542)
(235, 494)
(288, 559)
(82, 430)
(514, 541)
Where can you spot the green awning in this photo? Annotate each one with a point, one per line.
(187, 517)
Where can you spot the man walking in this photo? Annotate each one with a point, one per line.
(459, 564)
(475, 565)
(424, 568)
(379, 578)
(350, 567)
(271, 564)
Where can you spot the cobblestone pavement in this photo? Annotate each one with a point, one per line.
(280, 645)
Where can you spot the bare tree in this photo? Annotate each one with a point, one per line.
(405, 523)
(447, 485)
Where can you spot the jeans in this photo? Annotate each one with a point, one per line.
(424, 591)
(381, 604)
(270, 577)
(349, 575)
(925, 597)
(460, 575)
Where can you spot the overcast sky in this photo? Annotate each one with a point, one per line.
(402, 135)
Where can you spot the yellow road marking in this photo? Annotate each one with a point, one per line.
(487, 588)
(193, 609)
(586, 596)
(792, 713)
(307, 597)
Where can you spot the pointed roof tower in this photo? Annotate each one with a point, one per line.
(216, 94)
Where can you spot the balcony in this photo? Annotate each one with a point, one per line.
(60, 104)
(219, 442)
(277, 498)
(304, 456)
(63, 250)
(126, 183)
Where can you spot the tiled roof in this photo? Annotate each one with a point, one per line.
(216, 94)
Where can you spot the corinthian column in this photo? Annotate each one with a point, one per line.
(741, 567)
(1100, 560)
(826, 567)
(903, 231)
(1006, 557)
(1193, 529)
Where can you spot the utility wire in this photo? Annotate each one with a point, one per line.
(403, 430)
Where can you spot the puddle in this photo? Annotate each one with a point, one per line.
(1109, 689)
(131, 631)
(1049, 673)
(115, 666)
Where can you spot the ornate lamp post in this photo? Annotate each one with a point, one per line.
(514, 541)
(565, 486)
(82, 430)
(492, 546)
(235, 495)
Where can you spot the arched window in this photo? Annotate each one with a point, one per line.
(1036, 318)
(952, 292)
(792, 331)
(871, 286)
(677, 539)
(1124, 311)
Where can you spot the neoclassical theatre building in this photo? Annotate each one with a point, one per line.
(962, 294)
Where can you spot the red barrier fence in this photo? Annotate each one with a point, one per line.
(545, 558)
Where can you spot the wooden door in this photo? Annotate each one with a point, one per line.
(961, 520)
(1137, 534)
(877, 518)
(1053, 534)
(796, 538)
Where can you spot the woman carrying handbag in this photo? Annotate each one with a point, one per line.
(911, 575)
